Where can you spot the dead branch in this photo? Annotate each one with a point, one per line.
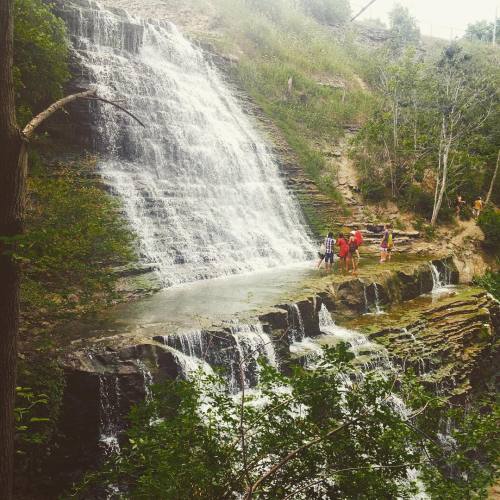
(113, 103)
(38, 119)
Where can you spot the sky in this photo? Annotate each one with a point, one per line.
(442, 18)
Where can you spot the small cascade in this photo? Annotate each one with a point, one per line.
(378, 309)
(109, 427)
(148, 379)
(419, 353)
(236, 351)
(441, 280)
(437, 284)
(368, 354)
(189, 365)
(296, 331)
(251, 344)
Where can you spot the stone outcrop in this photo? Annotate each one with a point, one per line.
(452, 346)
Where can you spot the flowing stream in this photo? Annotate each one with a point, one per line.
(198, 183)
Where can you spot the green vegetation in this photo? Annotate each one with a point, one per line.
(38, 401)
(308, 436)
(489, 222)
(482, 31)
(491, 282)
(434, 132)
(40, 57)
(75, 234)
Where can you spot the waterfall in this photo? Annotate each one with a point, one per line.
(378, 309)
(109, 427)
(236, 351)
(437, 283)
(199, 185)
(296, 331)
(148, 379)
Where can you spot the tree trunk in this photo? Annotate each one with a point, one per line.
(493, 179)
(442, 189)
(12, 173)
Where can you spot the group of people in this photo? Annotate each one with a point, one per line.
(477, 206)
(349, 249)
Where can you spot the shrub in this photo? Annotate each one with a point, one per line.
(489, 222)
(491, 282)
(40, 57)
(420, 201)
(372, 189)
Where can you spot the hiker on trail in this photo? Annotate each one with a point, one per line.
(329, 251)
(478, 207)
(351, 254)
(387, 244)
(359, 240)
(344, 250)
(459, 203)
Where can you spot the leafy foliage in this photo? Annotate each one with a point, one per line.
(491, 282)
(328, 11)
(36, 412)
(403, 28)
(489, 222)
(482, 31)
(40, 57)
(433, 133)
(75, 234)
(310, 435)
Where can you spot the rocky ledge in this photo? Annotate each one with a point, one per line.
(451, 341)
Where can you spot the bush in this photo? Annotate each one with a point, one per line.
(40, 57)
(491, 282)
(419, 201)
(489, 222)
(74, 236)
(194, 440)
(372, 189)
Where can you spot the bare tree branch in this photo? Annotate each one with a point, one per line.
(113, 103)
(38, 119)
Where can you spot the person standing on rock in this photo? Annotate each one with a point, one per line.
(359, 241)
(344, 250)
(387, 244)
(351, 257)
(329, 251)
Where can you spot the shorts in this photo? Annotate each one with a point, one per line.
(329, 258)
(384, 249)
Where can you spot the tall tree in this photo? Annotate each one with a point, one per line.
(465, 97)
(13, 172)
(12, 188)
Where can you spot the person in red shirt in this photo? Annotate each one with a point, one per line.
(359, 240)
(344, 250)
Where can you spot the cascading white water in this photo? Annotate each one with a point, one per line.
(437, 283)
(236, 351)
(109, 427)
(199, 185)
